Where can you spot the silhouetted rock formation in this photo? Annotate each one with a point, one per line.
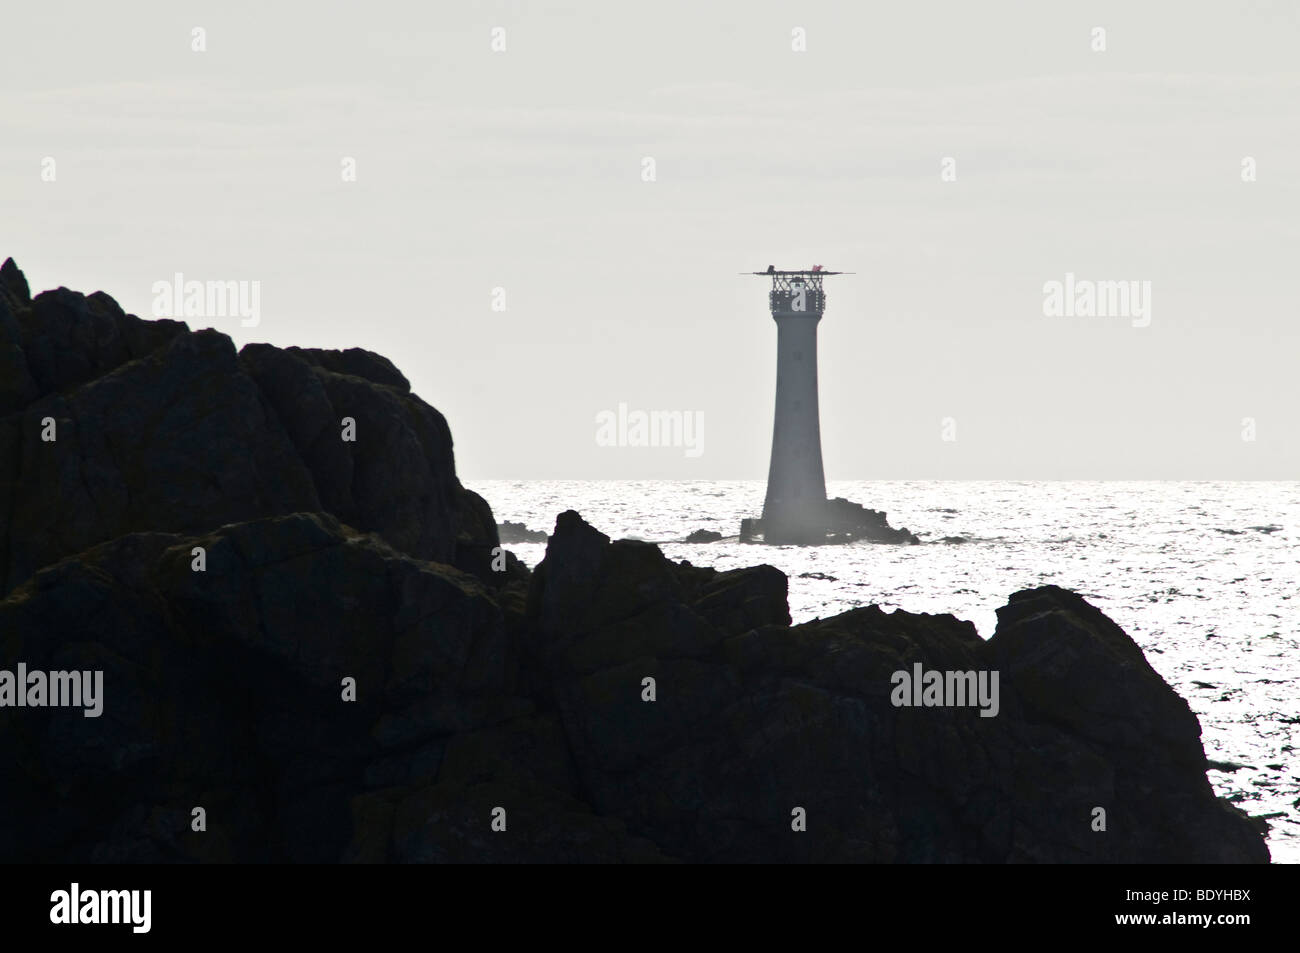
(617, 705)
(847, 521)
(519, 533)
(842, 522)
(704, 536)
(161, 429)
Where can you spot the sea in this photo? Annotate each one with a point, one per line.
(1204, 576)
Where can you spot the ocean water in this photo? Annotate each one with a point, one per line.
(1204, 576)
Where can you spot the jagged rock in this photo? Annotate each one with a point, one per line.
(180, 440)
(519, 533)
(1228, 766)
(617, 705)
(357, 363)
(163, 429)
(13, 283)
(398, 477)
(1074, 668)
(17, 389)
(848, 521)
(841, 521)
(704, 536)
(71, 338)
(223, 687)
(754, 718)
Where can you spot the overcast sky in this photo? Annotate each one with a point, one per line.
(523, 170)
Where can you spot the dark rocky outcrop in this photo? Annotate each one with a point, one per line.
(617, 705)
(838, 521)
(848, 521)
(161, 429)
(519, 533)
(754, 718)
(704, 536)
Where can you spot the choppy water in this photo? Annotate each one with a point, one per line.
(1204, 576)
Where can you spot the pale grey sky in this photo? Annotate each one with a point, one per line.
(522, 170)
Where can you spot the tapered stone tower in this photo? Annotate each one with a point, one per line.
(795, 509)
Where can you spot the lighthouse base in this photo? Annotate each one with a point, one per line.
(839, 521)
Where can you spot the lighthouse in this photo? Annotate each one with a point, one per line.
(795, 508)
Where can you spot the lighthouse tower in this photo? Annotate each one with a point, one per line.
(795, 510)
